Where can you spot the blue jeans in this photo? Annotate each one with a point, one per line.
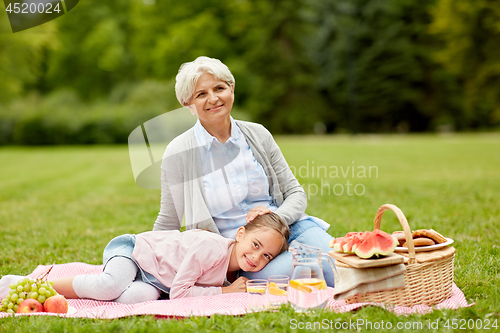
(304, 231)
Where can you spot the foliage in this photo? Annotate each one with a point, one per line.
(300, 65)
(61, 117)
(469, 32)
(368, 51)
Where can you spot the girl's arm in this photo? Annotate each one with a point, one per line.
(238, 286)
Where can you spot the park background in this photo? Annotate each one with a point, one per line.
(343, 83)
(301, 66)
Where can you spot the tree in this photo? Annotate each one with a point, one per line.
(469, 32)
(22, 56)
(374, 64)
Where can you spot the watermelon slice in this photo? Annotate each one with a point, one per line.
(339, 244)
(346, 244)
(351, 244)
(375, 244)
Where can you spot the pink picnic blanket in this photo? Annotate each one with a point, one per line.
(225, 304)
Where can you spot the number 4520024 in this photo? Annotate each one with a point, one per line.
(463, 324)
(25, 8)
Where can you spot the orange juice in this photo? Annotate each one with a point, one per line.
(307, 294)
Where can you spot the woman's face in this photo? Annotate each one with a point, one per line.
(212, 100)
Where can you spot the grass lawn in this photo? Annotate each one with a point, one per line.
(63, 204)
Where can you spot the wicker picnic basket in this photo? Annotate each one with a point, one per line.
(428, 276)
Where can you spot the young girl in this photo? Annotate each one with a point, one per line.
(137, 268)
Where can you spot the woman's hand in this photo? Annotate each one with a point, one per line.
(256, 211)
(238, 286)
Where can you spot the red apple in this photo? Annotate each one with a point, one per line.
(56, 304)
(30, 305)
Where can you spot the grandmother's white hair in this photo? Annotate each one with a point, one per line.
(190, 72)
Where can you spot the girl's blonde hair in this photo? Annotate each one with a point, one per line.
(272, 221)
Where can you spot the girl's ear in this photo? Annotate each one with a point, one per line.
(240, 233)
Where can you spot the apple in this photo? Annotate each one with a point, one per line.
(30, 305)
(56, 304)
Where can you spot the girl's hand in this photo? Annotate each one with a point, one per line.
(256, 211)
(238, 286)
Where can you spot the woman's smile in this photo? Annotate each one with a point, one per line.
(215, 108)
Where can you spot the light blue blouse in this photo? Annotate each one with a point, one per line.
(237, 183)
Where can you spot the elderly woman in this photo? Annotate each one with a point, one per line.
(222, 173)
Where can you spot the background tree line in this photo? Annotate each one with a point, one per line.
(301, 66)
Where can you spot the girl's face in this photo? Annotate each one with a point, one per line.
(212, 100)
(256, 248)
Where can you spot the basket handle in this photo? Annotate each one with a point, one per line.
(404, 224)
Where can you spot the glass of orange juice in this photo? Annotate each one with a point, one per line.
(277, 289)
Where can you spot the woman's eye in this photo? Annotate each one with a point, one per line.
(200, 94)
(256, 245)
(220, 88)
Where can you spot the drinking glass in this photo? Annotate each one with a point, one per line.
(277, 288)
(257, 294)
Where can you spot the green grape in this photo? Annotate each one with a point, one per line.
(34, 295)
(13, 286)
(12, 291)
(19, 300)
(42, 290)
(41, 299)
(5, 301)
(34, 287)
(10, 311)
(15, 307)
(20, 288)
(10, 305)
(14, 297)
(27, 287)
(51, 282)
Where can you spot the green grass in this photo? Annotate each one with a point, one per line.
(63, 204)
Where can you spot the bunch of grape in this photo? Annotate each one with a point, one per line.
(26, 288)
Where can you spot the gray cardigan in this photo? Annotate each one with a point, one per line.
(182, 190)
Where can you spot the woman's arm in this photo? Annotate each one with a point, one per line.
(172, 194)
(294, 197)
